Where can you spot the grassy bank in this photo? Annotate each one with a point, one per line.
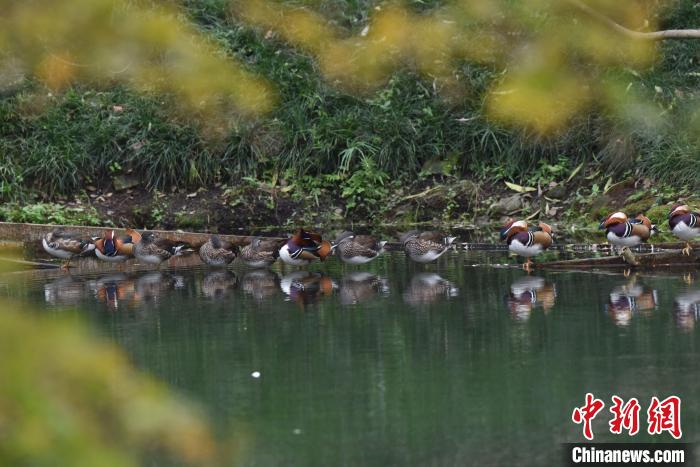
(401, 154)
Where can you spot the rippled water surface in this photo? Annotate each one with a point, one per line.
(453, 363)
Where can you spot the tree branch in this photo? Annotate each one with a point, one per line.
(650, 36)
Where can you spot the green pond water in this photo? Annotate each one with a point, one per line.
(461, 362)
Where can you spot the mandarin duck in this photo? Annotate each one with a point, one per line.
(357, 249)
(684, 225)
(304, 247)
(65, 245)
(216, 252)
(526, 242)
(261, 253)
(424, 247)
(114, 249)
(154, 250)
(623, 232)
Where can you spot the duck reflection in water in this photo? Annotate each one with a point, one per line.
(218, 284)
(528, 293)
(306, 287)
(261, 284)
(64, 291)
(151, 286)
(629, 299)
(687, 309)
(115, 289)
(426, 288)
(359, 286)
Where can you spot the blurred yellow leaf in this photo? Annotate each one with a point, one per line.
(151, 48)
(68, 399)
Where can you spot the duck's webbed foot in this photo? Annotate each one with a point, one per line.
(686, 251)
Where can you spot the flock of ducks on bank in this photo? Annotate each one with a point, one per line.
(305, 247)
(300, 249)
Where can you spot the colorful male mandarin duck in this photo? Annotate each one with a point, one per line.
(65, 245)
(304, 247)
(114, 249)
(623, 232)
(216, 252)
(357, 249)
(684, 225)
(153, 250)
(527, 242)
(424, 247)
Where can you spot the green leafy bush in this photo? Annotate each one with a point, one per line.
(365, 188)
(51, 213)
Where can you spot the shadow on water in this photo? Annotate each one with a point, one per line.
(394, 362)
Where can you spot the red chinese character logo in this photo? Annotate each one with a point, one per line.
(625, 416)
(587, 413)
(665, 416)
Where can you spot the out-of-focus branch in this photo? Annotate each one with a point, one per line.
(650, 36)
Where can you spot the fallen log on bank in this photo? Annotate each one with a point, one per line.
(29, 264)
(33, 233)
(664, 259)
(28, 233)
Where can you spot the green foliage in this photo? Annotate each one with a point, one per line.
(56, 144)
(157, 214)
(53, 144)
(51, 213)
(550, 172)
(365, 188)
